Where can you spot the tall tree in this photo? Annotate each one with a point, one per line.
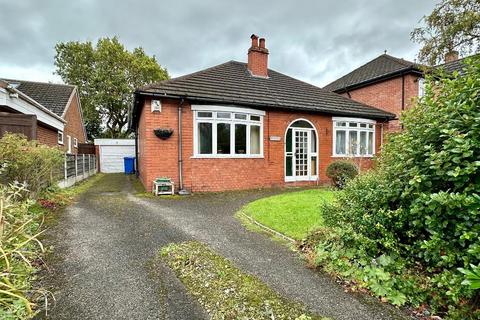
(454, 25)
(106, 76)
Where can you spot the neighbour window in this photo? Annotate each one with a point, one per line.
(353, 137)
(75, 142)
(228, 132)
(60, 137)
(421, 87)
(69, 144)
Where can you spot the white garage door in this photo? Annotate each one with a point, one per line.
(112, 152)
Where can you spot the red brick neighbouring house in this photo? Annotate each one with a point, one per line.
(389, 83)
(242, 126)
(56, 108)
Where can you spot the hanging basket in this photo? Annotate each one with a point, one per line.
(163, 133)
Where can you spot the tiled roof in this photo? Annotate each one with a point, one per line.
(456, 65)
(375, 69)
(232, 83)
(52, 96)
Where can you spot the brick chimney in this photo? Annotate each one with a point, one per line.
(451, 56)
(258, 58)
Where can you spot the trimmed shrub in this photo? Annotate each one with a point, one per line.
(36, 165)
(341, 171)
(408, 229)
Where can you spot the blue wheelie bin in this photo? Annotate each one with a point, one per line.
(129, 165)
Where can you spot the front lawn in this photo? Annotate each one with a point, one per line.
(293, 214)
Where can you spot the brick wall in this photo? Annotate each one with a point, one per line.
(74, 125)
(387, 95)
(47, 135)
(159, 158)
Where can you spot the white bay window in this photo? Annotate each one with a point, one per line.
(227, 132)
(353, 137)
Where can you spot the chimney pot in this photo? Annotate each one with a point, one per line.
(262, 42)
(254, 38)
(451, 56)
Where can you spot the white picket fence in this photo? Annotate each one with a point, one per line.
(76, 168)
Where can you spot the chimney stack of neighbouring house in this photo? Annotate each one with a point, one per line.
(258, 58)
(451, 56)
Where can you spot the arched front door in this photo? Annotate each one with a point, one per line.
(301, 158)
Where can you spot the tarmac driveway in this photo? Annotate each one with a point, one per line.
(103, 265)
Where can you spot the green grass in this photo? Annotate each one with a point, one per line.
(225, 291)
(293, 214)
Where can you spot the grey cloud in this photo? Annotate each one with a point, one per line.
(316, 41)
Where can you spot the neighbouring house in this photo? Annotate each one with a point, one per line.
(47, 112)
(389, 83)
(242, 126)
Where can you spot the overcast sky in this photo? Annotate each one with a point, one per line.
(316, 41)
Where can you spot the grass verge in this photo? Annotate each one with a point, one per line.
(293, 214)
(225, 291)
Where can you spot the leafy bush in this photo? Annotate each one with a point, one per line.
(419, 211)
(341, 171)
(28, 161)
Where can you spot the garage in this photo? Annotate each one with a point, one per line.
(111, 153)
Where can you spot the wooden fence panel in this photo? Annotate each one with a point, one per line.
(25, 124)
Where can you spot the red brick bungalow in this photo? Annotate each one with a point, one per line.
(389, 83)
(241, 126)
(47, 112)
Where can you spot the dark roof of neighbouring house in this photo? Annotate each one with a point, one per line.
(232, 83)
(379, 68)
(52, 96)
(384, 67)
(456, 65)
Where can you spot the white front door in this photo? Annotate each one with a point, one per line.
(301, 152)
(300, 155)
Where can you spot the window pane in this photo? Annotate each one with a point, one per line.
(224, 115)
(255, 118)
(240, 139)
(370, 143)
(313, 166)
(288, 166)
(353, 143)
(201, 114)
(205, 138)
(363, 125)
(223, 138)
(240, 116)
(353, 124)
(340, 142)
(340, 124)
(370, 126)
(313, 147)
(288, 141)
(301, 124)
(254, 139)
(363, 142)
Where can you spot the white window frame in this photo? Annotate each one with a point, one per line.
(69, 144)
(60, 137)
(347, 130)
(75, 142)
(232, 121)
(421, 87)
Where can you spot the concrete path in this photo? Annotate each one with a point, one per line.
(105, 245)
